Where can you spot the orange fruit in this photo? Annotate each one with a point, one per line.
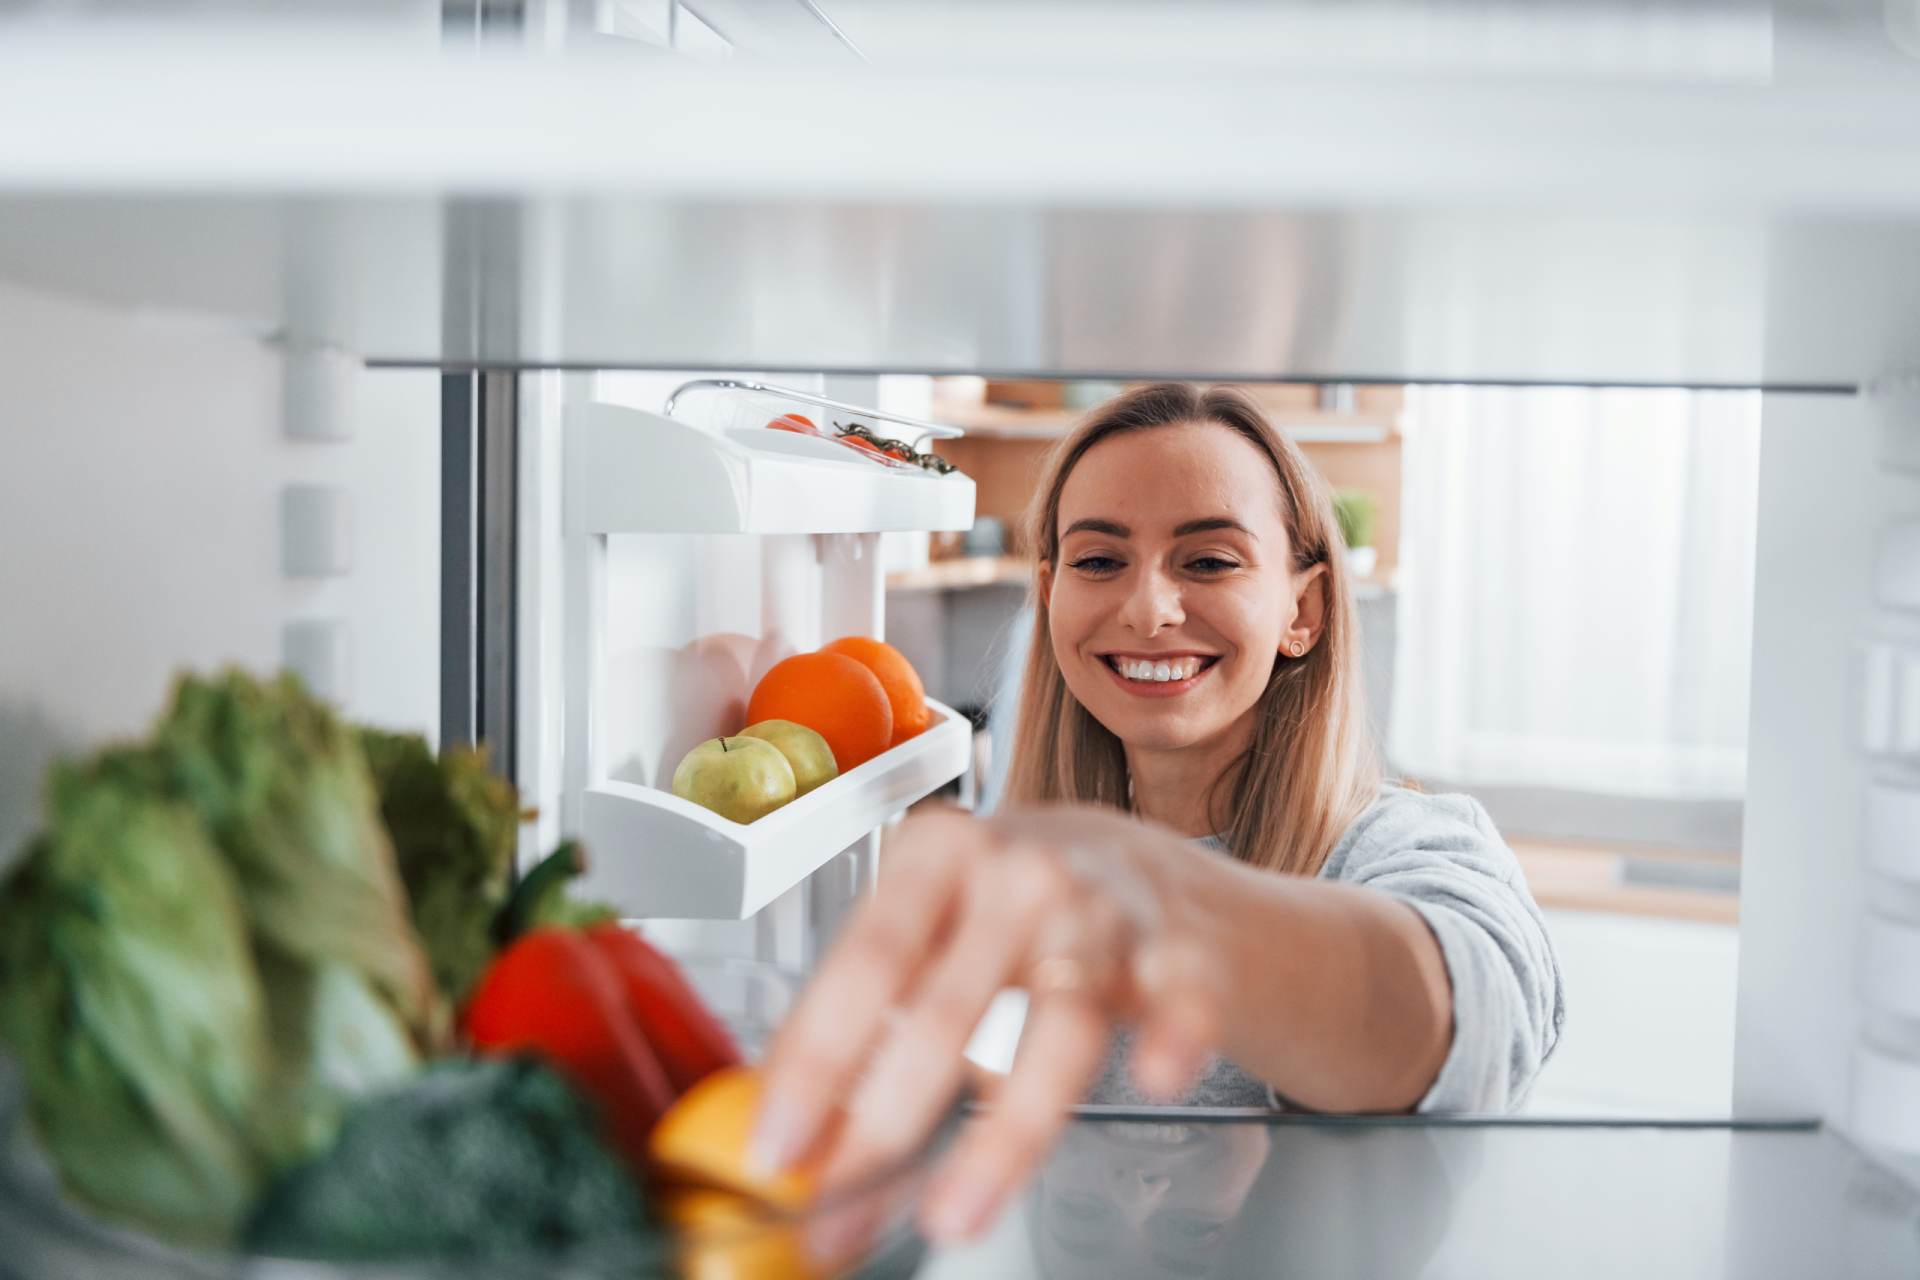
(722, 1236)
(702, 1141)
(834, 696)
(905, 694)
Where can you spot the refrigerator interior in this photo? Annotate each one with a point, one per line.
(1755, 230)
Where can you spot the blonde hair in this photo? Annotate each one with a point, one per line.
(1309, 769)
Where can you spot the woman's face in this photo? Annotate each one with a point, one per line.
(1172, 594)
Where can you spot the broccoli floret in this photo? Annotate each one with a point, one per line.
(468, 1160)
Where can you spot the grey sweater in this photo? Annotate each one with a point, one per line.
(1441, 855)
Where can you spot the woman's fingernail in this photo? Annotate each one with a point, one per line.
(959, 1210)
(777, 1136)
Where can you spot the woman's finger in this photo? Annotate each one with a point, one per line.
(922, 1059)
(820, 1049)
(1180, 999)
(1065, 1040)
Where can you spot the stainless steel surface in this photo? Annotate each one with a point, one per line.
(626, 281)
(459, 556)
(1154, 195)
(479, 450)
(1382, 1200)
(497, 579)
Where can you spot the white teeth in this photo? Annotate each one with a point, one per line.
(1158, 672)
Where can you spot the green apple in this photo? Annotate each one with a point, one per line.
(805, 750)
(738, 778)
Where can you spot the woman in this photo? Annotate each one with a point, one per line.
(1201, 880)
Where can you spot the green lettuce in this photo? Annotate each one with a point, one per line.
(285, 789)
(454, 826)
(129, 997)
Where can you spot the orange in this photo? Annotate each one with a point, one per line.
(834, 696)
(905, 694)
(727, 1237)
(702, 1141)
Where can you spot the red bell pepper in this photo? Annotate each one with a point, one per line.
(690, 1042)
(560, 997)
(687, 1040)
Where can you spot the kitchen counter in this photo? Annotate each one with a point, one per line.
(1387, 1198)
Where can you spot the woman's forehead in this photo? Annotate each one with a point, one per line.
(1161, 479)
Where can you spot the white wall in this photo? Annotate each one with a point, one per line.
(1805, 890)
(140, 487)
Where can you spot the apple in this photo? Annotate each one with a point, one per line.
(740, 779)
(808, 752)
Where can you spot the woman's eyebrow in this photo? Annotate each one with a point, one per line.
(1210, 524)
(1113, 528)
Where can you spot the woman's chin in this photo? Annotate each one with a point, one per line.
(1156, 730)
(1159, 738)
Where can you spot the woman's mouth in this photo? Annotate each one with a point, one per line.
(1158, 675)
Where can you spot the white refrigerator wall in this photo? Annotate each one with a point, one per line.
(1837, 483)
(146, 468)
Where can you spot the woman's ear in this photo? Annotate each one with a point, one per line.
(1043, 580)
(1309, 612)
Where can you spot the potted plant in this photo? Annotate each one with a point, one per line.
(1356, 509)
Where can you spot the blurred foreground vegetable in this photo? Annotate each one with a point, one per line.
(130, 999)
(468, 1160)
(703, 1141)
(286, 790)
(554, 995)
(207, 955)
(590, 996)
(454, 826)
(689, 1041)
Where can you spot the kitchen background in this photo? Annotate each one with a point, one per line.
(1556, 604)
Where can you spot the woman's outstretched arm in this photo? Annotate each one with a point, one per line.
(1336, 996)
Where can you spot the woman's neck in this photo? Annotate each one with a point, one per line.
(1174, 788)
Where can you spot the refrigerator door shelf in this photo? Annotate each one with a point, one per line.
(629, 471)
(654, 855)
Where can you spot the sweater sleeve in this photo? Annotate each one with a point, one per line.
(1442, 855)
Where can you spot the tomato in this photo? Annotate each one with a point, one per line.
(861, 443)
(795, 422)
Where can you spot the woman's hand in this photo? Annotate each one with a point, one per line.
(1085, 908)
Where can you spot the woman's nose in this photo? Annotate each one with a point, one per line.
(1153, 605)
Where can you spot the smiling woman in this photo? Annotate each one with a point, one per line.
(1208, 892)
(1211, 544)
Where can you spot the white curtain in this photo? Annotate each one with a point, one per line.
(1576, 588)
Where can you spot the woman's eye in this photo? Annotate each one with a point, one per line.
(1212, 564)
(1096, 564)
